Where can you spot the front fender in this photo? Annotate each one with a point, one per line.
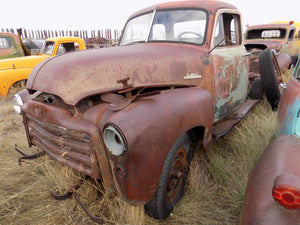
(11, 76)
(284, 61)
(151, 126)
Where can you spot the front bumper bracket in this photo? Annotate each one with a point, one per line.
(72, 191)
(26, 156)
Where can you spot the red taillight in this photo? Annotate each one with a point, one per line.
(287, 196)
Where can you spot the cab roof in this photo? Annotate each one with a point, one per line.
(210, 5)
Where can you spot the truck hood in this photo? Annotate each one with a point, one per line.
(76, 75)
(22, 62)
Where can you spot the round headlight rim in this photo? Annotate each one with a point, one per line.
(123, 138)
(19, 102)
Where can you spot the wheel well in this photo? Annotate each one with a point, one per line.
(196, 135)
(17, 86)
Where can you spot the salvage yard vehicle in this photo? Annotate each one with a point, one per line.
(273, 193)
(11, 46)
(126, 115)
(283, 40)
(282, 37)
(16, 70)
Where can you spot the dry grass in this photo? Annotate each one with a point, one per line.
(214, 191)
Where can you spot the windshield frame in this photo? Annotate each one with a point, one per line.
(151, 25)
(296, 73)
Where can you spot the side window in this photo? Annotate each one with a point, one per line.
(291, 35)
(76, 45)
(297, 70)
(228, 30)
(219, 38)
(66, 47)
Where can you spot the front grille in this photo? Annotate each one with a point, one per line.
(73, 148)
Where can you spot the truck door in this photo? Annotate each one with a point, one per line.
(292, 45)
(8, 47)
(230, 63)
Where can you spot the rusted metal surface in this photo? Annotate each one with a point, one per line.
(60, 141)
(278, 166)
(289, 110)
(285, 44)
(10, 46)
(281, 157)
(151, 93)
(143, 68)
(26, 156)
(70, 140)
(224, 125)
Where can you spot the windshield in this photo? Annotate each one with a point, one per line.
(169, 26)
(48, 48)
(6, 42)
(266, 34)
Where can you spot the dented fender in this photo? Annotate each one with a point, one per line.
(151, 126)
(284, 60)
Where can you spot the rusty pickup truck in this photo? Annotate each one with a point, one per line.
(126, 115)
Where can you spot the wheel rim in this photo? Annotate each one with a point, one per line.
(176, 175)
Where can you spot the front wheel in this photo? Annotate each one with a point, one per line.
(172, 180)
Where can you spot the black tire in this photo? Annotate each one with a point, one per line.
(270, 73)
(257, 89)
(172, 180)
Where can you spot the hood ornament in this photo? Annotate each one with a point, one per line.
(124, 81)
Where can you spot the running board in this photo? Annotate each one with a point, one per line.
(223, 126)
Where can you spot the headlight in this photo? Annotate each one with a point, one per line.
(114, 141)
(17, 102)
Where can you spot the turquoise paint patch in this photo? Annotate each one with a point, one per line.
(292, 122)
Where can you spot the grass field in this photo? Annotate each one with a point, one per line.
(214, 192)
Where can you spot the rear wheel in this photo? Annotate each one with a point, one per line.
(172, 180)
(270, 77)
(256, 90)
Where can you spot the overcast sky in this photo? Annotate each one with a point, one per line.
(99, 14)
